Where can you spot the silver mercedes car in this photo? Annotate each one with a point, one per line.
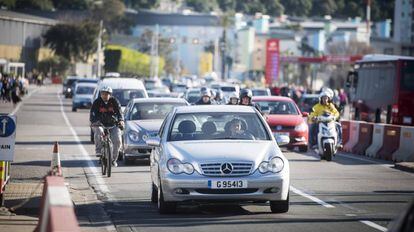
(143, 117)
(217, 153)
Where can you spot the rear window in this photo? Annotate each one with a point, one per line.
(228, 89)
(84, 90)
(278, 107)
(124, 95)
(407, 77)
(310, 100)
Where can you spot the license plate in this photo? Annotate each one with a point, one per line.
(227, 184)
(281, 134)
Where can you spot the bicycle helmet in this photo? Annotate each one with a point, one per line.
(106, 89)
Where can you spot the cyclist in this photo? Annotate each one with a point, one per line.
(107, 110)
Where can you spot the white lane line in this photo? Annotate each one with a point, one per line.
(374, 225)
(312, 198)
(91, 166)
(21, 102)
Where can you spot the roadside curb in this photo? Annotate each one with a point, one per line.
(405, 166)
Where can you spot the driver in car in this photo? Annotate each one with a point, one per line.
(325, 105)
(236, 130)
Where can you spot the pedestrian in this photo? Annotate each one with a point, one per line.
(14, 88)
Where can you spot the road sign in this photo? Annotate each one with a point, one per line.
(7, 136)
(272, 60)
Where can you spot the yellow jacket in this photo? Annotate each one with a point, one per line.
(319, 109)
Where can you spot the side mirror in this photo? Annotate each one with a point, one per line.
(305, 114)
(282, 140)
(153, 142)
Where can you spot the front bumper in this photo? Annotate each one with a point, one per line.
(137, 151)
(83, 105)
(296, 138)
(195, 188)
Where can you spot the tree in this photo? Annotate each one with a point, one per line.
(323, 7)
(9, 4)
(202, 5)
(273, 7)
(71, 4)
(34, 4)
(56, 65)
(297, 7)
(73, 41)
(227, 5)
(142, 4)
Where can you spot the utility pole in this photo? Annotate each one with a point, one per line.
(99, 51)
(369, 21)
(223, 55)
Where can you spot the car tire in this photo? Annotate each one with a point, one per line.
(280, 206)
(154, 194)
(303, 148)
(74, 109)
(128, 161)
(165, 207)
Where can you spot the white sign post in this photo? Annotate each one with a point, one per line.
(7, 137)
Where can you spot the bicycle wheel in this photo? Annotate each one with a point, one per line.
(109, 158)
(103, 160)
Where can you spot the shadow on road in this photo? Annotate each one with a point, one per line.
(52, 142)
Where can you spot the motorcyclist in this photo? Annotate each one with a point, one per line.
(106, 109)
(246, 99)
(325, 105)
(205, 98)
(233, 99)
(219, 99)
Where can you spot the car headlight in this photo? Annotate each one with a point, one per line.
(275, 165)
(177, 167)
(301, 127)
(134, 136)
(69, 90)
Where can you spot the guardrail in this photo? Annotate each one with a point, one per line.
(382, 141)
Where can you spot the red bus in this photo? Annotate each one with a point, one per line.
(382, 89)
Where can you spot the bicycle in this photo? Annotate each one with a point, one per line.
(106, 154)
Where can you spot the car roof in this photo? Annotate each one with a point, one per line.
(271, 98)
(87, 84)
(123, 83)
(160, 99)
(214, 108)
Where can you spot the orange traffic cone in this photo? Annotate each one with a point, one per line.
(56, 169)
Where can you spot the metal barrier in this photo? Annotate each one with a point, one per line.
(391, 142)
(364, 138)
(405, 152)
(4, 179)
(377, 140)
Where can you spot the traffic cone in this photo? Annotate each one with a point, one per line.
(56, 169)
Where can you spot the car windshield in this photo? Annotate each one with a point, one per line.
(278, 107)
(152, 110)
(85, 90)
(217, 126)
(124, 95)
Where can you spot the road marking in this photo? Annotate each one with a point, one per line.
(21, 102)
(374, 225)
(317, 200)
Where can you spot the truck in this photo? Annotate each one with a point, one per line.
(382, 89)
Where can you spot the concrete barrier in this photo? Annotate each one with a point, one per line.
(56, 210)
(391, 142)
(55, 167)
(353, 136)
(345, 131)
(364, 138)
(405, 152)
(377, 140)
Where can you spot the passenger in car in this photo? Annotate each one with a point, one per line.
(209, 130)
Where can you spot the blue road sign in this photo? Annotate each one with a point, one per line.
(7, 126)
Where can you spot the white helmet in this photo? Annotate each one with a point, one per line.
(106, 89)
(326, 92)
(234, 95)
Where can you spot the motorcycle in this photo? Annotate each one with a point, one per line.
(327, 136)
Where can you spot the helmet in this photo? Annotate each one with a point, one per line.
(206, 93)
(327, 92)
(219, 94)
(106, 89)
(234, 95)
(246, 93)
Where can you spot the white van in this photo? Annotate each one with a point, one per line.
(124, 89)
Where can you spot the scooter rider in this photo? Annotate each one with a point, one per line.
(233, 99)
(325, 105)
(205, 98)
(246, 99)
(107, 110)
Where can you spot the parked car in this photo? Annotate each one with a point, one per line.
(143, 119)
(261, 92)
(67, 86)
(285, 118)
(83, 96)
(307, 101)
(217, 153)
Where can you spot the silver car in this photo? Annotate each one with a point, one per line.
(143, 117)
(217, 153)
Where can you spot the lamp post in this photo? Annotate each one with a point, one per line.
(223, 55)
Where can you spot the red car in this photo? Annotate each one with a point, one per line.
(284, 117)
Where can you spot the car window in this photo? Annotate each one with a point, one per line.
(278, 107)
(152, 110)
(124, 95)
(85, 90)
(228, 89)
(217, 126)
